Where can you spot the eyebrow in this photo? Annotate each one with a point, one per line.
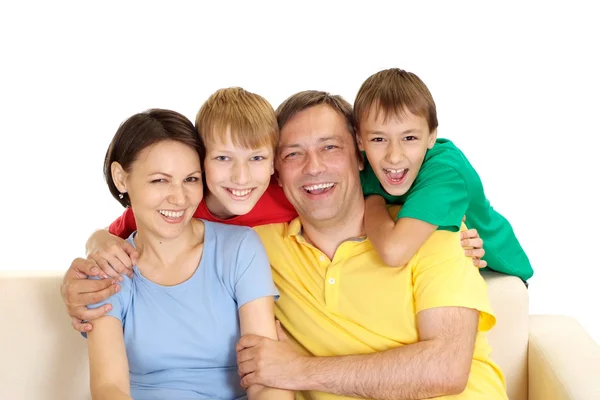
(402, 133)
(170, 176)
(320, 140)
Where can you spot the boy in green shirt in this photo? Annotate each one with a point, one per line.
(406, 164)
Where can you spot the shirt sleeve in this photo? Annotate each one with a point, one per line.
(439, 196)
(118, 300)
(252, 277)
(444, 277)
(124, 225)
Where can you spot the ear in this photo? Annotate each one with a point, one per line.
(360, 142)
(272, 168)
(119, 176)
(432, 138)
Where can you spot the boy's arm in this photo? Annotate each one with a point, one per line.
(396, 242)
(109, 370)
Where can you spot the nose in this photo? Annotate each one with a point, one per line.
(314, 164)
(176, 195)
(240, 174)
(395, 153)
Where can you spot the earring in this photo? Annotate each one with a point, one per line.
(121, 196)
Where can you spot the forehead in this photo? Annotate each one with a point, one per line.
(314, 123)
(167, 152)
(377, 117)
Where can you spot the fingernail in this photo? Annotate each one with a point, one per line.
(105, 276)
(113, 282)
(117, 288)
(108, 308)
(87, 328)
(120, 278)
(94, 270)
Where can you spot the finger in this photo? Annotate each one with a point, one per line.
(245, 355)
(249, 380)
(82, 268)
(475, 243)
(246, 367)
(105, 262)
(247, 341)
(83, 293)
(476, 253)
(81, 326)
(89, 314)
(280, 332)
(464, 218)
(479, 263)
(132, 253)
(469, 234)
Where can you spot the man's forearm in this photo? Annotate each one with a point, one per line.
(109, 393)
(421, 370)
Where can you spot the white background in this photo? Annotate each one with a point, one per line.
(516, 87)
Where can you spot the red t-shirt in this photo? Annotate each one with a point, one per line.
(271, 208)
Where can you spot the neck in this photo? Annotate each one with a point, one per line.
(328, 235)
(160, 252)
(215, 207)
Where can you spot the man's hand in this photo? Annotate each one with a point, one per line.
(77, 292)
(268, 362)
(114, 256)
(470, 238)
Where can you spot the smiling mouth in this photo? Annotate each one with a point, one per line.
(319, 188)
(239, 193)
(395, 175)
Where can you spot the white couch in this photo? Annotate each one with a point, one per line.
(43, 358)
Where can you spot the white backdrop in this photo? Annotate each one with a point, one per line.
(516, 87)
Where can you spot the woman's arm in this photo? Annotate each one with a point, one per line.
(109, 369)
(256, 317)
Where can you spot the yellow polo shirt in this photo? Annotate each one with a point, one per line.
(355, 304)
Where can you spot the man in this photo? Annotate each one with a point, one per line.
(358, 328)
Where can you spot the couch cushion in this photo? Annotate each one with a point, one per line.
(43, 357)
(509, 338)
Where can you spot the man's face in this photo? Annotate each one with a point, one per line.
(395, 148)
(318, 166)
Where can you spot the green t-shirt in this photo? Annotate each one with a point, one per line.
(446, 189)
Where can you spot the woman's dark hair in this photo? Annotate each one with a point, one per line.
(141, 131)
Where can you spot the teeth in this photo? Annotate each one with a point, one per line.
(240, 193)
(171, 214)
(319, 186)
(395, 171)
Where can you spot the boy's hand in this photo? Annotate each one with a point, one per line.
(114, 256)
(473, 245)
(78, 291)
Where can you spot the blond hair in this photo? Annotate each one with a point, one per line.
(248, 117)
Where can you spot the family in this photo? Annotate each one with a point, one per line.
(321, 250)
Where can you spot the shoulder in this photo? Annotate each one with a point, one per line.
(441, 244)
(446, 156)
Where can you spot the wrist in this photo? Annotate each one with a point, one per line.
(303, 377)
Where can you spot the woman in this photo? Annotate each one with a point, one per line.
(197, 286)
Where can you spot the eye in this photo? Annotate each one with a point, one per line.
(331, 147)
(192, 179)
(222, 158)
(257, 158)
(377, 139)
(291, 155)
(410, 138)
(159, 180)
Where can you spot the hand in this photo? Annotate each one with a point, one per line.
(77, 292)
(374, 199)
(473, 245)
(114, 256)
(268, 362)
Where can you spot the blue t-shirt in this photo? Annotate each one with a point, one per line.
(181, 339)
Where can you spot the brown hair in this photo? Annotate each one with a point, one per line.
(249, 117)
(141, 131)
(310, 98)
(394, 91)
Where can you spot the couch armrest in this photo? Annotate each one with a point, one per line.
(564, 361)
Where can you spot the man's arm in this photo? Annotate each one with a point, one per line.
(437, 365)
(109, 370)
(398, 241)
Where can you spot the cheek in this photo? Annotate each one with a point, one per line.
(214, 175)
(262, 172)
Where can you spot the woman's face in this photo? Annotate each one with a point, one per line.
(164, 185)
